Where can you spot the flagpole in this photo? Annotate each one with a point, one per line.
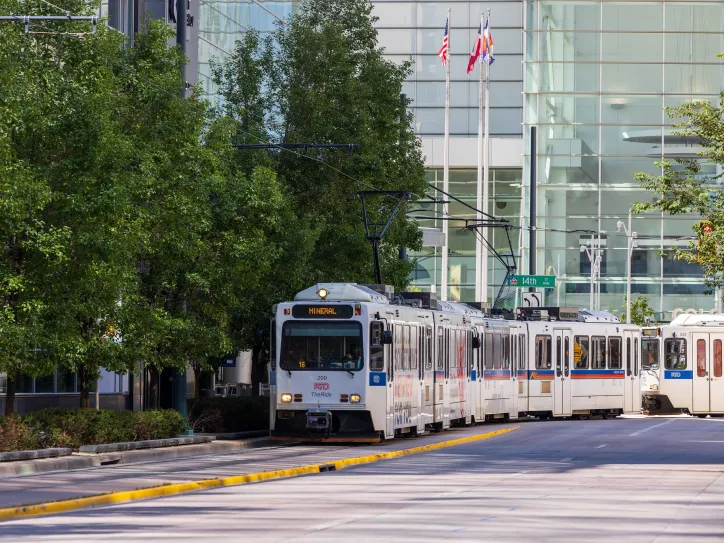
(446, 169)
(486, 171)
(479, 262)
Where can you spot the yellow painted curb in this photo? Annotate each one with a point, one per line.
(10, 513)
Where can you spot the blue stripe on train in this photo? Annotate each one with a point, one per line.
(678, 374)
(474, 375)
(602, 372)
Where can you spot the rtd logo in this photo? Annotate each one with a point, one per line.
(321, 386)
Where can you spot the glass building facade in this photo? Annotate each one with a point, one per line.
(414, 30)
(598, 77)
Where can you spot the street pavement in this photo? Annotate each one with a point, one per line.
(631, 479)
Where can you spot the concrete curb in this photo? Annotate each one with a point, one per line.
(147, 444)
(86, 460)
(63, 506)
(35, 454)
(237, 435)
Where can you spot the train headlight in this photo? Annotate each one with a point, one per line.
(354, 398)
(286, 398)
(653, 387)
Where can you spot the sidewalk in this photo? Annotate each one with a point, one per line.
(78, 461)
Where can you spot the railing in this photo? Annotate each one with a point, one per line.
(264, 389)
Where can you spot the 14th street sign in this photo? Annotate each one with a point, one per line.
(532, 281)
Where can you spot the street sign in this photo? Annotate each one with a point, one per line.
(534, 281)
(532, 299)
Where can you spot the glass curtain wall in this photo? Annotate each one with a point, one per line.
(505, 200)
(598, 77)
(414, 30)
(223, 22)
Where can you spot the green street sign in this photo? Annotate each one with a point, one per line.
(534, 281)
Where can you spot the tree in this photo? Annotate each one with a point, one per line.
(640, 310)
(323, 79)
(680, 190)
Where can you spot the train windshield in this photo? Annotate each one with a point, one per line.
(335, 346)
(650, 353)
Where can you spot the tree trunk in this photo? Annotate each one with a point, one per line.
(84, 387)
(10, 395)
(197, 376)
(257, 371)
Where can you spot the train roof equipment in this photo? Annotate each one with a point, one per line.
(567, 314)
(699, 319)
(340, 292)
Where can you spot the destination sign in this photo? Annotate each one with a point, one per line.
(322, 311)
(651, 332)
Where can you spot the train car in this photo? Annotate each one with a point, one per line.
(351, 366)
(682, 364)
(495, 386)
(580, 363)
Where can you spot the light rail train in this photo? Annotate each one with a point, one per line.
(682, 366)
(349, 365)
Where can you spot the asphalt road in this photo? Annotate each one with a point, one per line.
(634, 479)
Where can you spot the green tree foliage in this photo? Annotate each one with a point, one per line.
(323, 79)
(640, 310)
(129, 231)
(679, 191)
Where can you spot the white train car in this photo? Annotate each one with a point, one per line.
(682, 366)
(351, 366)
(580, 363)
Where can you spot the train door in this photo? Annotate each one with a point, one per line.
(562, 376)
(514, 355)
(708, 391)
(631, 388)
(391, 360)
(522, 403)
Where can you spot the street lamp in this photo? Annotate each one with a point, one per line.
(589, 254)
(631, 245)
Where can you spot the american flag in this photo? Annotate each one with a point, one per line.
(442, 53)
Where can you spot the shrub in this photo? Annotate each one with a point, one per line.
(237, 413)
(76, 427)
(157, 424)
(16, 436)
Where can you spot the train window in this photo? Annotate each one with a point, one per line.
(522, 361)
(628, 356)
(558, 356)
(332, 346)
(675, 354)
(543, 347)
(598, 353)
(489, 349)
(649, 353)
(497, 351)
(614, 353)
(471, 353)
(377, 350)
(700, 358)
(440, 348)
(717, 358)
(506, 351)
(580, 352)
(636, 356)
(428, 359)
(566, 356)
(513, 353)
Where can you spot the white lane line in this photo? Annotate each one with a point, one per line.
(567, 459)
(651, 428)
(602, 446)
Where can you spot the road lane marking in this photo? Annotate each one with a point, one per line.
(114, 498)
(567, 459)
(651, 428)
(602, 446)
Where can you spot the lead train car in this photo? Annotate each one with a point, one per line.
(350, 366)
(682, 366)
